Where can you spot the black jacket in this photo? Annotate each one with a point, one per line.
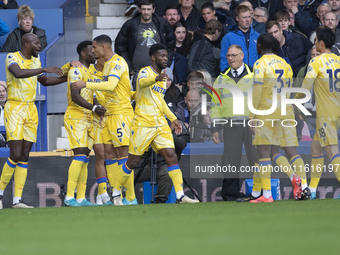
(126, 39)
(296, 48)
(13, 41)
(12, 4)
(192, 20)
(204, 55)
(306, 19)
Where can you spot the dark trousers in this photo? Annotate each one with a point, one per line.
(234, 137)
(164, 182)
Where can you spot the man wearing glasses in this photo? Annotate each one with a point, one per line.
(235, 133)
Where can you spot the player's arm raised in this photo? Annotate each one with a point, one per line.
(145, 81)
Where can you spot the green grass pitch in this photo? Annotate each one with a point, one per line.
(283, 227)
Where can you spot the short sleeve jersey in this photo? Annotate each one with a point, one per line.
(323, 73)
(74, 110)
(271, 72)
(149, 110)
(118, 101)
(24, 89)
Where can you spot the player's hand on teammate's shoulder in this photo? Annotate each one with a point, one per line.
(176, 124)
(78, 85)
(162, 77)
(75, 63)
(100, 110)
(55, 70)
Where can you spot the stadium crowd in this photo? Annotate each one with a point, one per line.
(192, 51)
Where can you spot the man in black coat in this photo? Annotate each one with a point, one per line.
(139, 33)
(294, 47)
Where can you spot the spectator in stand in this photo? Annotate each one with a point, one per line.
(222, 8)
(294, 47)
(271, 5)
(291, 19)
(9, 4)
(283, 17)
(139, 33)
(172, 94)
(190, 16)
(161, 5)
(3, 99)
(4, 29)
(171, 15)
(290, 4)
(261, 14)
(330, 20)
(209, 13)
(242, 35)
(257, 26)
(189, 108)
(223, 4)
(306, 21)
(182, 49)
(195, 81)
(335, 5)
(203, 54)
(25, 18)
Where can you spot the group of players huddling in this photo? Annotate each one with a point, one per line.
(100, 116)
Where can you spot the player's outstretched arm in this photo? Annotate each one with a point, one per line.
(109, 85)
(50, 81)
(20, 73)
(145, 81)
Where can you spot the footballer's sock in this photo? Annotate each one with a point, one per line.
(101, 181)
(257, 184)
(73, 174)
(335, 161)
(111, 164)
(7, 173)
(299, 166)
(316, 171)
(283, 163)
(175, 174)
(20, 175)
(129, 185)
(265, 173)
(82, 181)
(123, 175)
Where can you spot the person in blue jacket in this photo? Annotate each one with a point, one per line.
(242, 35)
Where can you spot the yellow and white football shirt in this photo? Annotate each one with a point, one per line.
(270, 71)
(75, 111)
(21, 115)
(323, 74)
(150, 103)
(117, 97)
(22, 90)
